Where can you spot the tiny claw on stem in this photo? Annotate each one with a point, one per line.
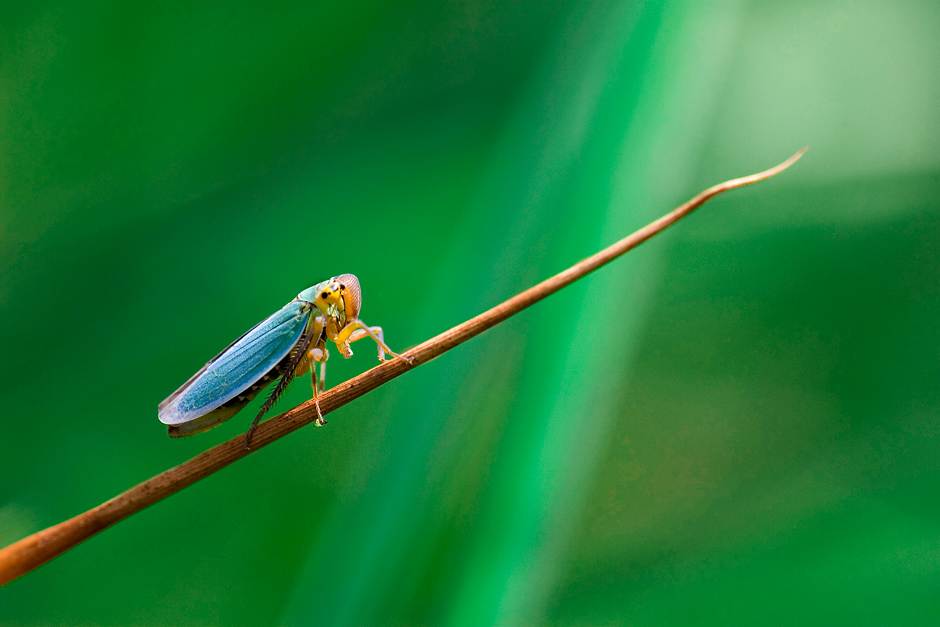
(320, 420)
(407, 360)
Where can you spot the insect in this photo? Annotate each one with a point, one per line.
(284, 345)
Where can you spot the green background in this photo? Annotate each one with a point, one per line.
(736, 424)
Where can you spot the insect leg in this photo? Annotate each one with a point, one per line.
(294, 360)
(317, 354)
(354, 326)
(320, 421)
(358, 334)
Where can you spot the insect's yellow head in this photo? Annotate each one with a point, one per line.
(340, 297)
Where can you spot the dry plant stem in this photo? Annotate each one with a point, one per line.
(31, 552)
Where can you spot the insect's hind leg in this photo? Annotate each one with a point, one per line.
(298, 359)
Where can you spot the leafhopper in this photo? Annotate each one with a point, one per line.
(286, 344)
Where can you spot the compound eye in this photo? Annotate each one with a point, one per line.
(352, 295)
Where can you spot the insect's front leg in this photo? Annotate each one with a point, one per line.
(360, 333)
(356, 330)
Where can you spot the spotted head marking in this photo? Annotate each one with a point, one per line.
(339, 296)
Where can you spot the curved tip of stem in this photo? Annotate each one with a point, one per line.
(783, 166)
(754, 178)
(786, 164)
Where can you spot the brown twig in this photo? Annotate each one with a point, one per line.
(23, 556)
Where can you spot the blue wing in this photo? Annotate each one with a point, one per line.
(237, 368)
